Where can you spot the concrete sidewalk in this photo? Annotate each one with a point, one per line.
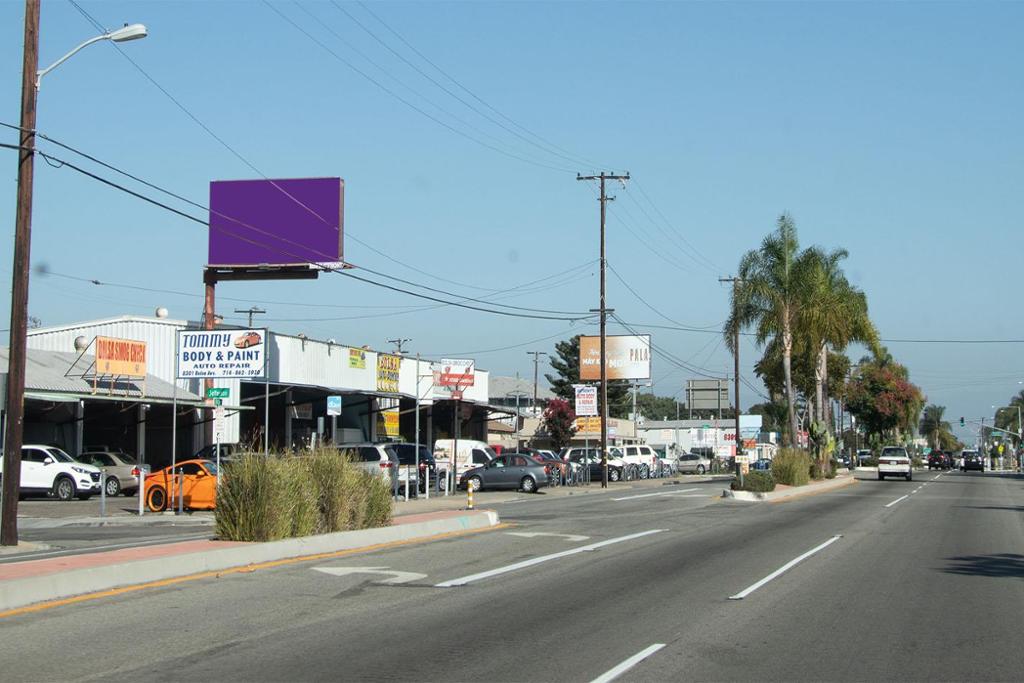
(37, 581)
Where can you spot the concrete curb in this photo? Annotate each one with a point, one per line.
(809, 490)
(30, 523)
(21, 592)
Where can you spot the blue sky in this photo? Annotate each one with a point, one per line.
(891, 129)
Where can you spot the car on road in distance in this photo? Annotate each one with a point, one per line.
(196, 480)
(118, 469)
(49, 470)
(693, 463)
(937, 460)
(894, 462)
(863, 456)
(514, 471)
(972, 460)
(761, 464)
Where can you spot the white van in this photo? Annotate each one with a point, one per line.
(471, 454)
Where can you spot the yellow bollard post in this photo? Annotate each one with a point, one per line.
(469, 495)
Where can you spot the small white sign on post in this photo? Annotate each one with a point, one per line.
(219, 424)
(586, 400)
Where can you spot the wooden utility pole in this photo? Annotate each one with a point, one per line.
(399, 343)
(736, 369)
(603, 310)
(536, 361)
(19, 280)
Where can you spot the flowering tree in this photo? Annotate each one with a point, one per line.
(883, 398)
(557, 422)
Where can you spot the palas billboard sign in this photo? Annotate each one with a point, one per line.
(627, 357)
(222, 353)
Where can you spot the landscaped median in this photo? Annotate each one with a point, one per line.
(793, 472)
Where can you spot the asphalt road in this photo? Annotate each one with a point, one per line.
(921, 587)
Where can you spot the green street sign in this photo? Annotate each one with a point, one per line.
(218, 392)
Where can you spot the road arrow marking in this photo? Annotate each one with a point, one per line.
(396, 577)
(534, 534)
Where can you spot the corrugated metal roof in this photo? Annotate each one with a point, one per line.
(45, 372)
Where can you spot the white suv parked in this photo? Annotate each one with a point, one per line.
(48, 469)
(643, 458)
(894, 462)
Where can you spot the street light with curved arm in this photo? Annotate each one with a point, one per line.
(121, 35)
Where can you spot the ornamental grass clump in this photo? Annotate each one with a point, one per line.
(265, 498)
(792, 467)
(253, 499)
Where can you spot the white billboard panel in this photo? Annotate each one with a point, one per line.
(222, 353)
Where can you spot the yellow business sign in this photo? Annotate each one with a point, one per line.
(357, 359)
(387, 372)
(387, 424)
(588, 425)
(120, 357)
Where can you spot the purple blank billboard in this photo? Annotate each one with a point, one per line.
(277, 222)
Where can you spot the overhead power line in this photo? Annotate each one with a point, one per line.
(452, 79)
(60, 163)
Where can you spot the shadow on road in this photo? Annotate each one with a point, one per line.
(1002, 565)
(1007, 508)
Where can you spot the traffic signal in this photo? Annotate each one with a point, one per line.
(961, 422)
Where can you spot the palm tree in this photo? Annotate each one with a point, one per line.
(768, 297)
(834, 314)
(932, 425)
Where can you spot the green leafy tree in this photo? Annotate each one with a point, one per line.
(566, 364)
(659, 407)
(1008, 417)
(557, 422)
(773, 281)
(773, 415)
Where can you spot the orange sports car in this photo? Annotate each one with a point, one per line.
(247, 340)
(195, 479)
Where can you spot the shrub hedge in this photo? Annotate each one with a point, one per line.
(286, 495)
(755, 480)
(792, 467)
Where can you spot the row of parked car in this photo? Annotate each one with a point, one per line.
(49, 470)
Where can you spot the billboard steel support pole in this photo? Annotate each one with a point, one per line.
(19, 285)
(266, 396)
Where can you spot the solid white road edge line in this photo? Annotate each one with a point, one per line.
(662, 493)
(625, 666)
(897, 500)
(543, 558)
(784, 568)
